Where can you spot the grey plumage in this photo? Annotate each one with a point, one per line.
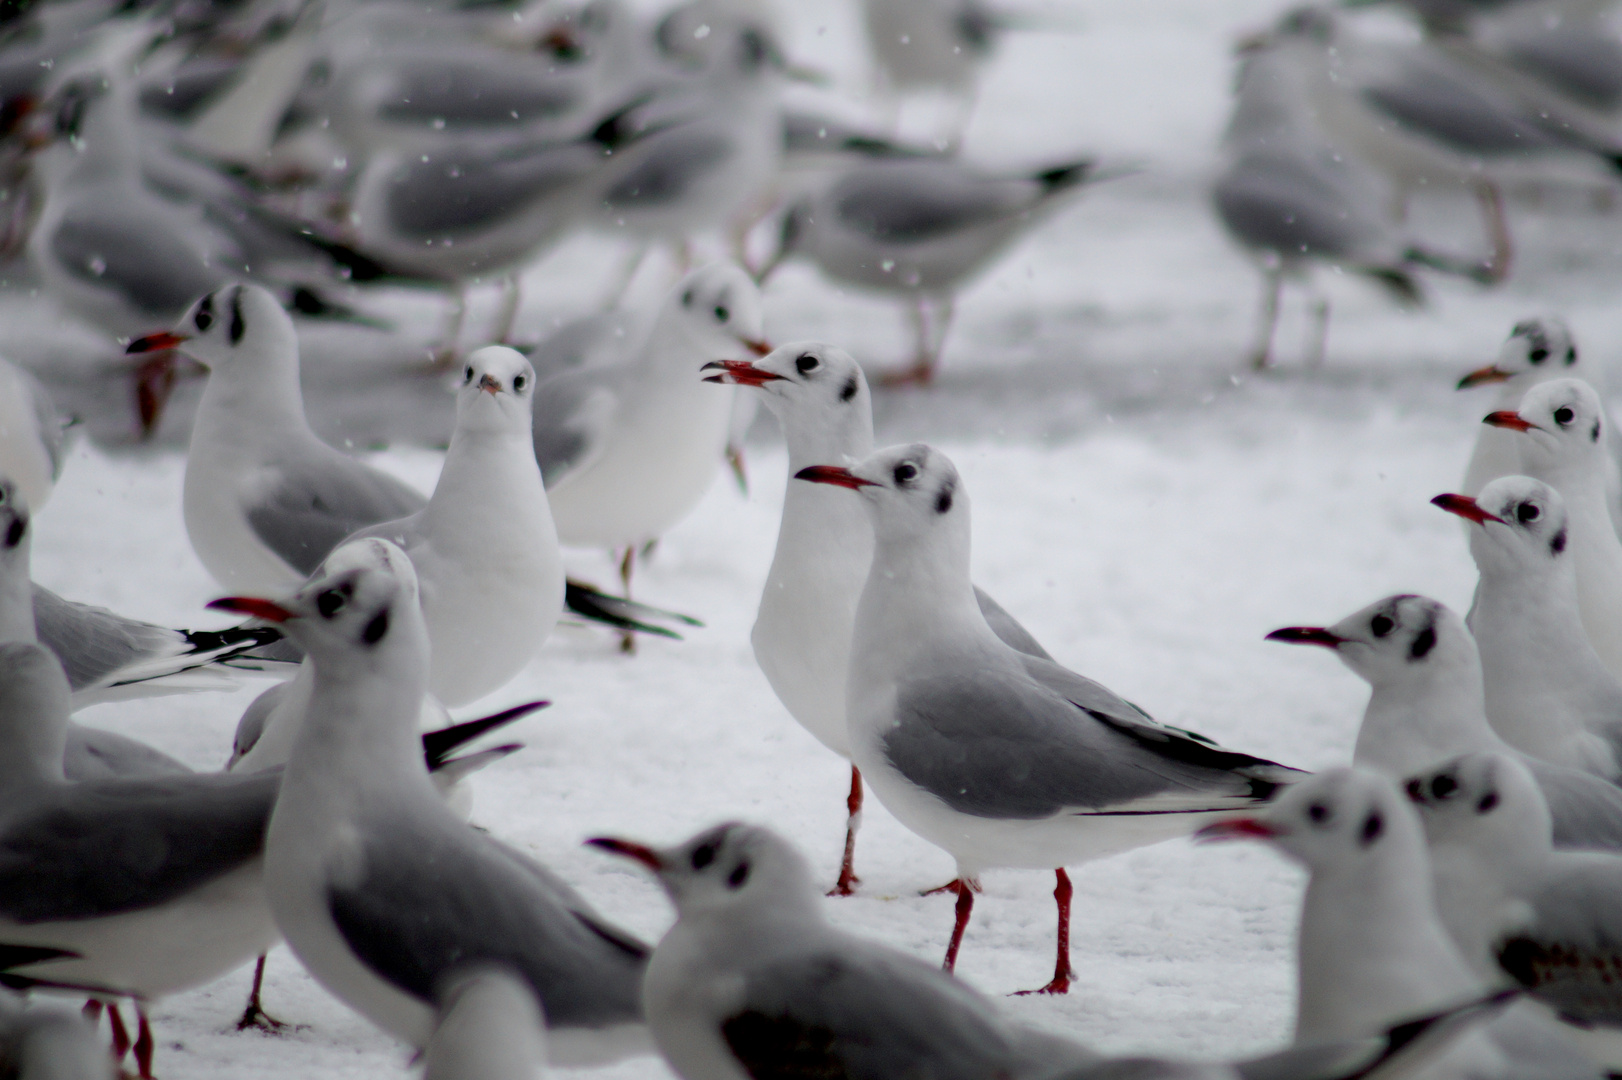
(318, 499)
(96, 754)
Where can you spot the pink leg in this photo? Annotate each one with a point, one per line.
(965, 905)
(1061, 966)
(143, 1043)
(121, 1034)
(853, 808)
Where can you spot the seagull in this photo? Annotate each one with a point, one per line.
(484, 548)
(752, 981)
(801, 636)
(1562, 427)
(1371, 945)
(382, 893)
(49, 1043)
(265, 498)
(1427, 705)
(628, 447)
(1001, 758)
(32, 434)
(1520, 910)
(1547, 692)
(489, 1028)
(919, 229)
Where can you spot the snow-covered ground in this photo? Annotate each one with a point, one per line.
(1148, 511)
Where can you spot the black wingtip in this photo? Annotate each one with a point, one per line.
(1064, 176)
(437, 746)
(620, 613)
(248, 637)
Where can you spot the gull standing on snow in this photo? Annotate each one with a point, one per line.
(32, 434)
(1371, 948)
(801, 636)
(1518, 908)
(1001, 758)
(1547, 692)
(265, 498)
(1562, 426)
(484, 548)
(752, 981)
(628, 447)
(384, 894)
(1426, 705)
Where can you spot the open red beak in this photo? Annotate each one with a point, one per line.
(1307, 635)
(1467, 508)
(251, 605)
(163, 339)
(833, 474)
(631, 850)
(1492, 373)
(489, 385)
(759, 348)
(741, 372)
(1245, 828)
(1504, 418)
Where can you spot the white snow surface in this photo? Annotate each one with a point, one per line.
(1145, 508)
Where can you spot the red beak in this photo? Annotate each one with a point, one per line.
(1245, 828)
(1307, 635)
(741, 372)
(631, 850)
(489, 385)
(250, 605)
(1490, 374)
(1467, 508)
(1504, 418)
(833, 474)
(163, 339)
(759, 348)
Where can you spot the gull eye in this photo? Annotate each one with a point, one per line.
(519, 382)
(467, 375)
(1443, 787)
(1564, 415)
(1527, 512)
(330, 603)
(1382, 625)
(1538, 355)
(806, 364)
(906, 472)
(703, 856)
(203, 319)
(722, 314)
(1318, 812)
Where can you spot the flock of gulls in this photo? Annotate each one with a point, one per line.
(191, 179)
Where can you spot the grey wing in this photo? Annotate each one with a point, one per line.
(432, 900)
(918, 201)
(572, 415)
(1438, 104)
(1006, 742)
(1575, 56)
(1570, 955)
(150, 264)
(471, 187)
(866, 1015)
(586, 342)
(1008, 628)
(92, 850)
(93, 642)
(1587, 810)
(251, 724)
(94, 754)
(663, 168)
(314, 503)
(461, 94)
(1291, 205)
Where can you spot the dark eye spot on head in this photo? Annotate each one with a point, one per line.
(1415, 790)
(376, 628)
(1373, 826)
(943, 499)
(329, 603)
(1593, 436)
(739, 875)
(687, 298)
(1381, 625)
(805, 364)
(905, 473)
(1424, 642)
(1526, 512)
(205, 314)
(1558, 543)
(722, 314)
(1443, 786)
(849, 391)
(1571, 355)
(703, 855)
(1538, 355)
(1487, 803)
(1564, 415)
(15, 531)
(1318, 812)
(238, 327)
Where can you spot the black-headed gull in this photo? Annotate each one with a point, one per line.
(1001, 758)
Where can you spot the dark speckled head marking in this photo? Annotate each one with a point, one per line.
(943, 498)
(1424, 641)
(238, 327)
(1373, 827)
(205, 314)
(1557, 543)
(849, 390)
